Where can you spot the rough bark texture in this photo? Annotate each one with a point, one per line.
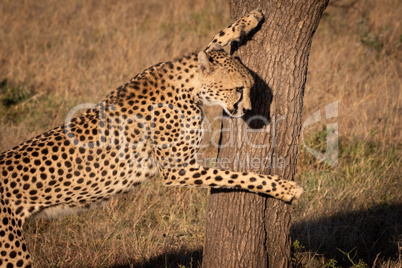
(245, 229)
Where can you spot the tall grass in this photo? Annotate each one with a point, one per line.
(77, 51)
(55, 54)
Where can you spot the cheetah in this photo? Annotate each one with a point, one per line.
(151, 125)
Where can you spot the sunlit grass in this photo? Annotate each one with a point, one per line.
(56, 54)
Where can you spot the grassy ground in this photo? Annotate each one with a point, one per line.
(55, 54)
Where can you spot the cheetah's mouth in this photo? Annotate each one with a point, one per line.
(236, 112)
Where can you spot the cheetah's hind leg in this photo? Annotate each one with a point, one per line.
(13, 248)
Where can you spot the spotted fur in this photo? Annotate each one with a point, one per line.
(148, 126)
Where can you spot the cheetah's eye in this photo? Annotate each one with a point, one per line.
(239, 89)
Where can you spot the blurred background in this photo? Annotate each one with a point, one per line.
(57, 54)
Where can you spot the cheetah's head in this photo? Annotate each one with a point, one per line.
(225, 82)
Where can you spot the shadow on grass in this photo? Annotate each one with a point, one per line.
(181, 258)
(365, 233)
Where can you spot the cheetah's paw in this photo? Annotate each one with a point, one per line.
(294, 192)
(252, 20)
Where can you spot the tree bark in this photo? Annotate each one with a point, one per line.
(245, 229)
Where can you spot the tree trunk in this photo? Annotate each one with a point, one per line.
(245, 229)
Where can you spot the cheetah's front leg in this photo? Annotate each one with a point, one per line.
(236, 30)
(209, 177)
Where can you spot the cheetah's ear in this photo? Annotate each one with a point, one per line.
(204, 63)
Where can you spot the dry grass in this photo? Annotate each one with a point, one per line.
(56, 54)
(356, 60)
(74, 52)
(151, 226)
